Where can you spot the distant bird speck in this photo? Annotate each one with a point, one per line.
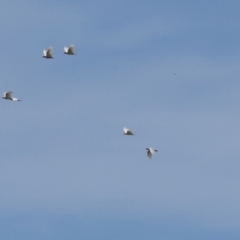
(8, 96)
(69, 50)
(47, 53)
(127, 131)
(150, 152)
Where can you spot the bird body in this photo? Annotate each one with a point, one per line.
(150, 152)
(8, 96)
(69, 50)
(127, 131)
(47, 53)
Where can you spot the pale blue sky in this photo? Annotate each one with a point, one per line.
(169, 70)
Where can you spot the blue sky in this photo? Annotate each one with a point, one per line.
(169, 70)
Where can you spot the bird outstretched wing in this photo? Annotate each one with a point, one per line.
(149, 154)
(49, 52)
(8, 94)
(71, 49)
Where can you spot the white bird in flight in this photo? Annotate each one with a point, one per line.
(69, 50)
(8, 96)
(47, 53)
(150, 152)
(127, 131)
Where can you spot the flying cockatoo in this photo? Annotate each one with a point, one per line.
(150, 152)
(8, 96)
(69, 50)
(48, 53)
(127, 131)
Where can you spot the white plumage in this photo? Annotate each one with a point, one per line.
(127, 131)
(8, 96)
(47, 53)
(69, 50)
(150, 152)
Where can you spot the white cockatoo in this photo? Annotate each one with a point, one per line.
(47, 53)
(127, 131)
(8, 96)
(69, 50)
(150, 152)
